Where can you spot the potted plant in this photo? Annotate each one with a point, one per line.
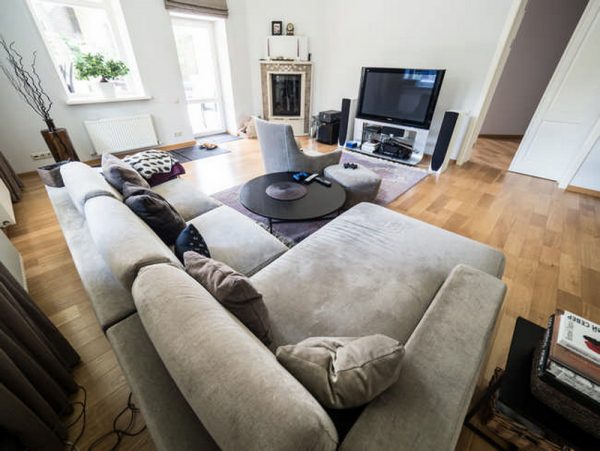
(93, 65)
(26, 81)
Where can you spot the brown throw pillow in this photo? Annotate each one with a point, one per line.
(233, 290)
(155, 211)
(117, 172)
(344, 372)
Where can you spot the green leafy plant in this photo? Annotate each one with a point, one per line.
(92, 65)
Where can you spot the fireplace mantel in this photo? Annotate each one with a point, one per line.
(286, 75)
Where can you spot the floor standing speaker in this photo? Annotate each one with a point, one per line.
(444, 143)
(347, 120)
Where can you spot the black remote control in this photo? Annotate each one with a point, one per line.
(323, 181)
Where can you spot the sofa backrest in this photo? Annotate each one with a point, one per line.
(234, 384)
(84, 182)
(124, 240)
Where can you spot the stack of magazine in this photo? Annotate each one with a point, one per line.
(570, 358)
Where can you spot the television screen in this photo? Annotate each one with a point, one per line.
(399, 96)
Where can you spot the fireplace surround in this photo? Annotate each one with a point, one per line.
(286, 93)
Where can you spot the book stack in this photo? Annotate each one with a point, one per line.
(567, 370)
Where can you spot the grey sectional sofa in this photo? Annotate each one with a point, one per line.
(203, 381)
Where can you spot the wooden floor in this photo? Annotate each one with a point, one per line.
(497, 153)
(551, 239)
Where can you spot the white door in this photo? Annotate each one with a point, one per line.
(196, 49)
(569, 108)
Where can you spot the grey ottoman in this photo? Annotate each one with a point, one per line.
(361, 184)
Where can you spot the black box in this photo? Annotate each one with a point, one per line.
(328, 133)
(330, 116)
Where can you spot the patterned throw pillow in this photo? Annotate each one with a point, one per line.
(151, 162)
(190, 239)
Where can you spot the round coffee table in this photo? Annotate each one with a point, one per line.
(319, 202)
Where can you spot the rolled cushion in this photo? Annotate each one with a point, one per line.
(233, 290)
(83, 182)
(155, 211)
(124, 240)
(242, 396)
(117, 172)
(344, 372)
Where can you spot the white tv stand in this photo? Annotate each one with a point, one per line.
(417, 137)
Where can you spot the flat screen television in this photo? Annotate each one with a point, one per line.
(399, 96)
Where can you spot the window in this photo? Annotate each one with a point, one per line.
(196, 49)
(74, 28)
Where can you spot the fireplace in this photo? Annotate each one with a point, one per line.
(286, 92)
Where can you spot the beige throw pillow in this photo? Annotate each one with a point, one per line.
(344, 372)
(233, 290)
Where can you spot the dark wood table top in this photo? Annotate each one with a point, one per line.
(318, 202)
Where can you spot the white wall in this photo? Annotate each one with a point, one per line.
(345, 35)
(542, 37)
(153, 44)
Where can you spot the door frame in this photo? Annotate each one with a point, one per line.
(219, 99)
(589, 16)
(509, 32)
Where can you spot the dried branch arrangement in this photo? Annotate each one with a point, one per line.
(26, 82)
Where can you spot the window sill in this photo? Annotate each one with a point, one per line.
(107, 100)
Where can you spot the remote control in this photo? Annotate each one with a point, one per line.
(310, 178)
(323, 181)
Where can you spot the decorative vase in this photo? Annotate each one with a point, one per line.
(59, 143)
(107, 88)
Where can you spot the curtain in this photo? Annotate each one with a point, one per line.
(207, 7)
(10, 179)
(35, 380)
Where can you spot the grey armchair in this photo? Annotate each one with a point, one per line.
(281, 153)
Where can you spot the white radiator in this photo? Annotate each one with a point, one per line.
(122, 133)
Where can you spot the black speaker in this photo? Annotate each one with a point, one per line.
(438, 159)
(328, 132)
(347, 120)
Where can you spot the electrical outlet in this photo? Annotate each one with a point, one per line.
(177, 134)
(41, 155)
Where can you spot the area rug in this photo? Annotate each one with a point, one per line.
(197, 152)
(396, 180)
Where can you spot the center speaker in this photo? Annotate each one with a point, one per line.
(347, 120)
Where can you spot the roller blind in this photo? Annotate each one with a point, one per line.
(209, 7)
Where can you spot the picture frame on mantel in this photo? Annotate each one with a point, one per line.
(276, 28)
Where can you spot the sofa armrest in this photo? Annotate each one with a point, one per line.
(244, 398)
(425, 409)
(317, 161)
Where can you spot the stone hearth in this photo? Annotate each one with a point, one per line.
(286, 93)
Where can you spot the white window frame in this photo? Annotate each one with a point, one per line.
(121, 35)
(194, 20)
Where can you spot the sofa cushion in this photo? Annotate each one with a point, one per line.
(426, 408)
(124, 240)
(83, 182)
(117, 172)
(187, 200)
(237, 241)
(344, 372)
(243, 396)
(190, 239)
(371, 271)
(155, 211)
(233, 290)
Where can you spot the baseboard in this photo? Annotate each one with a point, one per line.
(176, 146)
(500, 136)
(577, 189)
